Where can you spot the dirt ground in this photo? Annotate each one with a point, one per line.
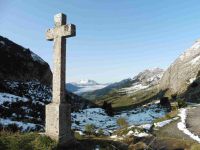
(193, 120)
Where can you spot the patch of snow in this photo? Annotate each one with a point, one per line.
(80, 132)
(196, 45)
(146, 126)
(163, 123)
(137, 133)
(192, 80)
(141, 134)
(87, 82)
(182, 125)
(23, 125)
(37, 58)
(5, 97)
(2, 43)
(191, 52)
(115, 137)
(130, 133)
(134, 88)
(98, 117)
(195, 60)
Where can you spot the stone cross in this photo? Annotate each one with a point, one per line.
(58, 34)
(58, 113)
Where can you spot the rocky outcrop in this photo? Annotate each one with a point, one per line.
(183, 72)
(150, 76)
(19, 63)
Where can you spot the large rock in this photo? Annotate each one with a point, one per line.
(183, 72)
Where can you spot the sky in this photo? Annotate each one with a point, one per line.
(116, 39)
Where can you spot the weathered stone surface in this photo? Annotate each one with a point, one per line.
(183, 71)
(58, 122)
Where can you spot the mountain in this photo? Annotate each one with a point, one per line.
(25, 87)
(182, 77)
(129, 92)
(18, 63)
(145, 79)
(87, 82)
(84, 86)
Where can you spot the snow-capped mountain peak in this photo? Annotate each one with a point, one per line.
(87, 82)
(85, 85)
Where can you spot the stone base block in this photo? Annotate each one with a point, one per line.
(58, 123)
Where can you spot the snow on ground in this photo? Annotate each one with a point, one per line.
(37, 58)
(134, 88)
(192, 80)
(5, 97)
(195, 60)
(24, 126)
(182, 125)
(99, 118)
(146, 126)
(163, 123)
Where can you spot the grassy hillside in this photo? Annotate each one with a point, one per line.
(97, 94)
(122, 101)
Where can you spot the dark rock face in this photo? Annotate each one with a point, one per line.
(18, 63)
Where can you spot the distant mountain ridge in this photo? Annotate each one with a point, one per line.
(83, 86)
(86, 82)
(148, 77)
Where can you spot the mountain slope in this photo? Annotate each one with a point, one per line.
(183, 73)
(18, 63)
(145, 79)
(106, 90)
(25, 87)
(129, 93)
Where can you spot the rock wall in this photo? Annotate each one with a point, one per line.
(183, 71)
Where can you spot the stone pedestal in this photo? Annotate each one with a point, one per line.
(58, 122)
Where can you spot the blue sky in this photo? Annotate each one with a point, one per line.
(115, 39)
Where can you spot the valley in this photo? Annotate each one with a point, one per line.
(139, 117)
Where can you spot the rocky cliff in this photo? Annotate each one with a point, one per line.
(19, 63)
(183, 73)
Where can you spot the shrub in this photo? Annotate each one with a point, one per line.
(100, 132)
(12, 128)
(122, 122)
(90, 129)
(108, 108)
(198, 74)
(164, 101)
(181, 103)
(44, 143)
(174, 96)
(78, 136)
(194, 84)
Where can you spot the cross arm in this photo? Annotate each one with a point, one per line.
(50, 34)
(68, 30)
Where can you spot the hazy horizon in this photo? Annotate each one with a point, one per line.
(115, 40)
